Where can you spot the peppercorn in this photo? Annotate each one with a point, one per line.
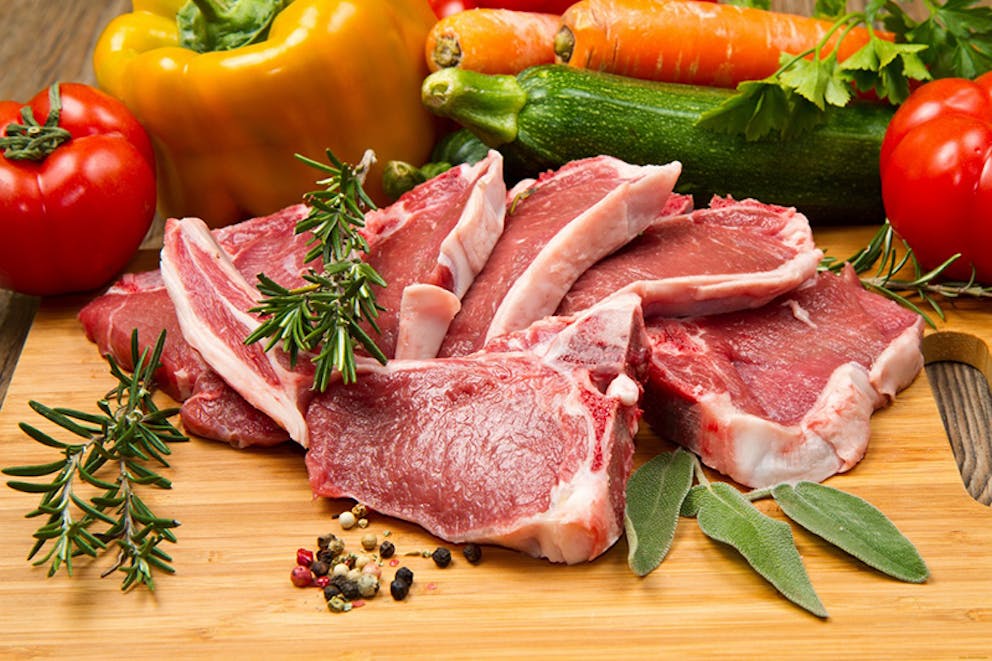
(472, 553)
(368, 585)
(360, 510)
(399, 589)
(301, 576)
(441, 557)
(326, 555)
(324, 541)
(348, 586)
(386, 549)
(331, 591)
(319, 568)
(347, 520)
(369, 541)
(404, 574)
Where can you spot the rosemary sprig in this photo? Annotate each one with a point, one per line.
(129, 432)
(324, 317)
(889, 258)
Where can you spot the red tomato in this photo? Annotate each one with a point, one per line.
(936, 168)
(70, 221)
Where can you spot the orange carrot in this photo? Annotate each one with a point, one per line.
(494, 41)
(686, 41)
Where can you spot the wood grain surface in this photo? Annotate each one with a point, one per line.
(244, 514)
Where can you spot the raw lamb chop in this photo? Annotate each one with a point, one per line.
(731, 256)
(435, 239)
(556, 228)
(140, 301)
(212, 299)
(784, 392)
(528, 447)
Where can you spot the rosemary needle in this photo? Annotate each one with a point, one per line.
(128, 433)
(324, 317)
(889, 260)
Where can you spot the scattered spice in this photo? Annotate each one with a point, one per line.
(347, 520)
(399, 589)
(301, 576)
(319, 568)
(304, 557)
(472, 553)
(369, 541)
(386, 549)
(441, 557)
(405, 574)
(360, 510)
(363, 523)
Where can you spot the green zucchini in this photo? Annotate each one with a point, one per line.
(454, 148)
(551, 114)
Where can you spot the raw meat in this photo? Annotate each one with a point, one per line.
(731, 256)
(437, 237)
(784, 392)
(556, 228)
(528, 447)
(212, 299)
(216, 411)
(140, 301)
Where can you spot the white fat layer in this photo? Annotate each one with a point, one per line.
(278, 403)
(467, 247)
(610, 223)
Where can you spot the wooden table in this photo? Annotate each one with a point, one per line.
(47, 40)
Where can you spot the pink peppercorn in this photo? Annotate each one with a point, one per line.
(304, 557)
(322, 581)
(301, 576)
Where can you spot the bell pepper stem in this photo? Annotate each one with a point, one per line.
(218, 25)
(485, 104)
(212, 10)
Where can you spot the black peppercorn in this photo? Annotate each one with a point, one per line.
(326, 556)
(319, 568)
(404, 574)
(331, 591)
(472, 553)
(386, 549)
(347, 585)
(441, 556)
(399, 589)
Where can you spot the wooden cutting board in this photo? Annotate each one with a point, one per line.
(244, 514)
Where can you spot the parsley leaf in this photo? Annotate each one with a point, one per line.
(960, 35)
(886, 68)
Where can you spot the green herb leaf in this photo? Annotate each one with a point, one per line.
(134, 431)
(854, 525)
(959, 36)
(727, 516)
(829, 8)
(886, 68)
(324, 316)
(654, 497)
(692, 500)
(818, 81)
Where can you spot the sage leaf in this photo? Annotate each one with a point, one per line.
(690, 505)
(854, 525)
(727, 516)
(654, 498)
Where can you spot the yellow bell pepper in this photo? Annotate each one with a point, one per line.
(337, 74)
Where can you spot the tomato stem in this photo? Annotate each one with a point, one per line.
(32, 141)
